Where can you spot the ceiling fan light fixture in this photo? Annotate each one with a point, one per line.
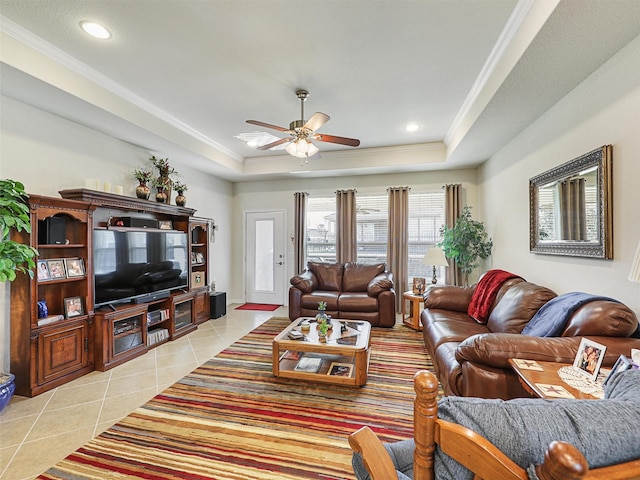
(302, 148)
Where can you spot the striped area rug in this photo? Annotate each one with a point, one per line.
(232, 419)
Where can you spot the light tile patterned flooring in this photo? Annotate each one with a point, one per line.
(36, 433)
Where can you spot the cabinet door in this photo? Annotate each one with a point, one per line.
(62, 351)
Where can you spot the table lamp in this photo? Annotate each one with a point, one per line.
(435, 256)
(634, 274)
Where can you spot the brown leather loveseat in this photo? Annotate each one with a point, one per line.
(470, 359)
(352, 291)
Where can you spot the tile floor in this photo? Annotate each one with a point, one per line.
(36, 433)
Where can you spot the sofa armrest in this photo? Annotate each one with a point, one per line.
(306, 281)
(495, 349)
(380, 283)
(448, 297)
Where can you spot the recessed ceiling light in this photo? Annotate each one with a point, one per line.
(412, 127)
(95, 30)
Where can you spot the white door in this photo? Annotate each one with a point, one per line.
(265, 253)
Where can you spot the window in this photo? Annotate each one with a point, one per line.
(321, 229)
(372, 225)
(426, 216)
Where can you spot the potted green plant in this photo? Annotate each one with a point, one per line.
(180, 187)
(163, 186)
(14, 213)
(465, 243)
(143, 177)
(14, 256)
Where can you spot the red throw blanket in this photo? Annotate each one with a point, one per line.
(485, 293)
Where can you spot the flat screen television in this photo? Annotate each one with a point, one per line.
(138, 265)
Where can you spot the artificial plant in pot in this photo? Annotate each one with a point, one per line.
(466, 243)
(14, 256)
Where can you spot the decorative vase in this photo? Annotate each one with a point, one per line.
(181, 200)
(142, 191)
(321, 317)
(7, 387)
(161, 196)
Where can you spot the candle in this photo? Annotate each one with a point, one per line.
(107, 187)
(118, 189)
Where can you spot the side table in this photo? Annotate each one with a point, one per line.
(543, 380)
(412, 318)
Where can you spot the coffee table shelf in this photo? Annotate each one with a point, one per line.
(347, 353)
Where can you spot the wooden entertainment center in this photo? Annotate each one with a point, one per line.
(51, 348)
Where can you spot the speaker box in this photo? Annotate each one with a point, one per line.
(217, 304)
(139, 222)
(52, 231)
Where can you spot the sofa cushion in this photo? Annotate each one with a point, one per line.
(602, 317)
(440, 326)
(486, 292)
(310, 301)
(329, 275)
(605, 431)
(517, 306)
(356, 276)
(357, 302)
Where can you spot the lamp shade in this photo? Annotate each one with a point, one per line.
(634, 274)
(435, 256)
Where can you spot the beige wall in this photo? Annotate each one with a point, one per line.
(48, 153)
(278, 195)
(604, 109)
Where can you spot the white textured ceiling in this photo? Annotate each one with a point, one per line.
(180, 77)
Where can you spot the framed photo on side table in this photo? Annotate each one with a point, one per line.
(589, 358)
(73, 307)
(75, 267)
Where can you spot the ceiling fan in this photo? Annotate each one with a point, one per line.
(301, 133)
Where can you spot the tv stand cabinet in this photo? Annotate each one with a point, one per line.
(47, 353)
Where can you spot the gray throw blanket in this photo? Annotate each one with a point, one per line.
(553, 316)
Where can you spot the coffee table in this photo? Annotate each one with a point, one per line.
(343, 359)
(545, 383)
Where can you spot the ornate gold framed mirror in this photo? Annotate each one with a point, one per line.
(571, 207)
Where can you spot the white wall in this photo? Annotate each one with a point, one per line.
(278, 195)
(48, 153)
(604, 109)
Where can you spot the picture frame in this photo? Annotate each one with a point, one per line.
(623, 363)
(419, 284)
(589, 358)
(199, 257)
(73, 307)
(75, 267)
(56, 268)
(43, 271)
(340, 369)
(197, 279)
(165, 225)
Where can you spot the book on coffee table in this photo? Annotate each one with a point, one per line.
(309, 364)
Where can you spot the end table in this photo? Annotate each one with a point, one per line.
(412, 318)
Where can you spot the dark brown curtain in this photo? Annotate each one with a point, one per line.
(346, 240)
(300, 231)
(397, 251)
(452, 209)
(573, 208)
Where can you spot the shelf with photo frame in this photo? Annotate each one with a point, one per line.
(58, 332)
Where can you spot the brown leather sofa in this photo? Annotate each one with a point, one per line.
(471, 359)
(352, 291)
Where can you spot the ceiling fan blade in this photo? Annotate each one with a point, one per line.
(274, 144)
(316, 121)
(352, 142)
(267, 125)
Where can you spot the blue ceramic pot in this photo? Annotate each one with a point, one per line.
(7, 387)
